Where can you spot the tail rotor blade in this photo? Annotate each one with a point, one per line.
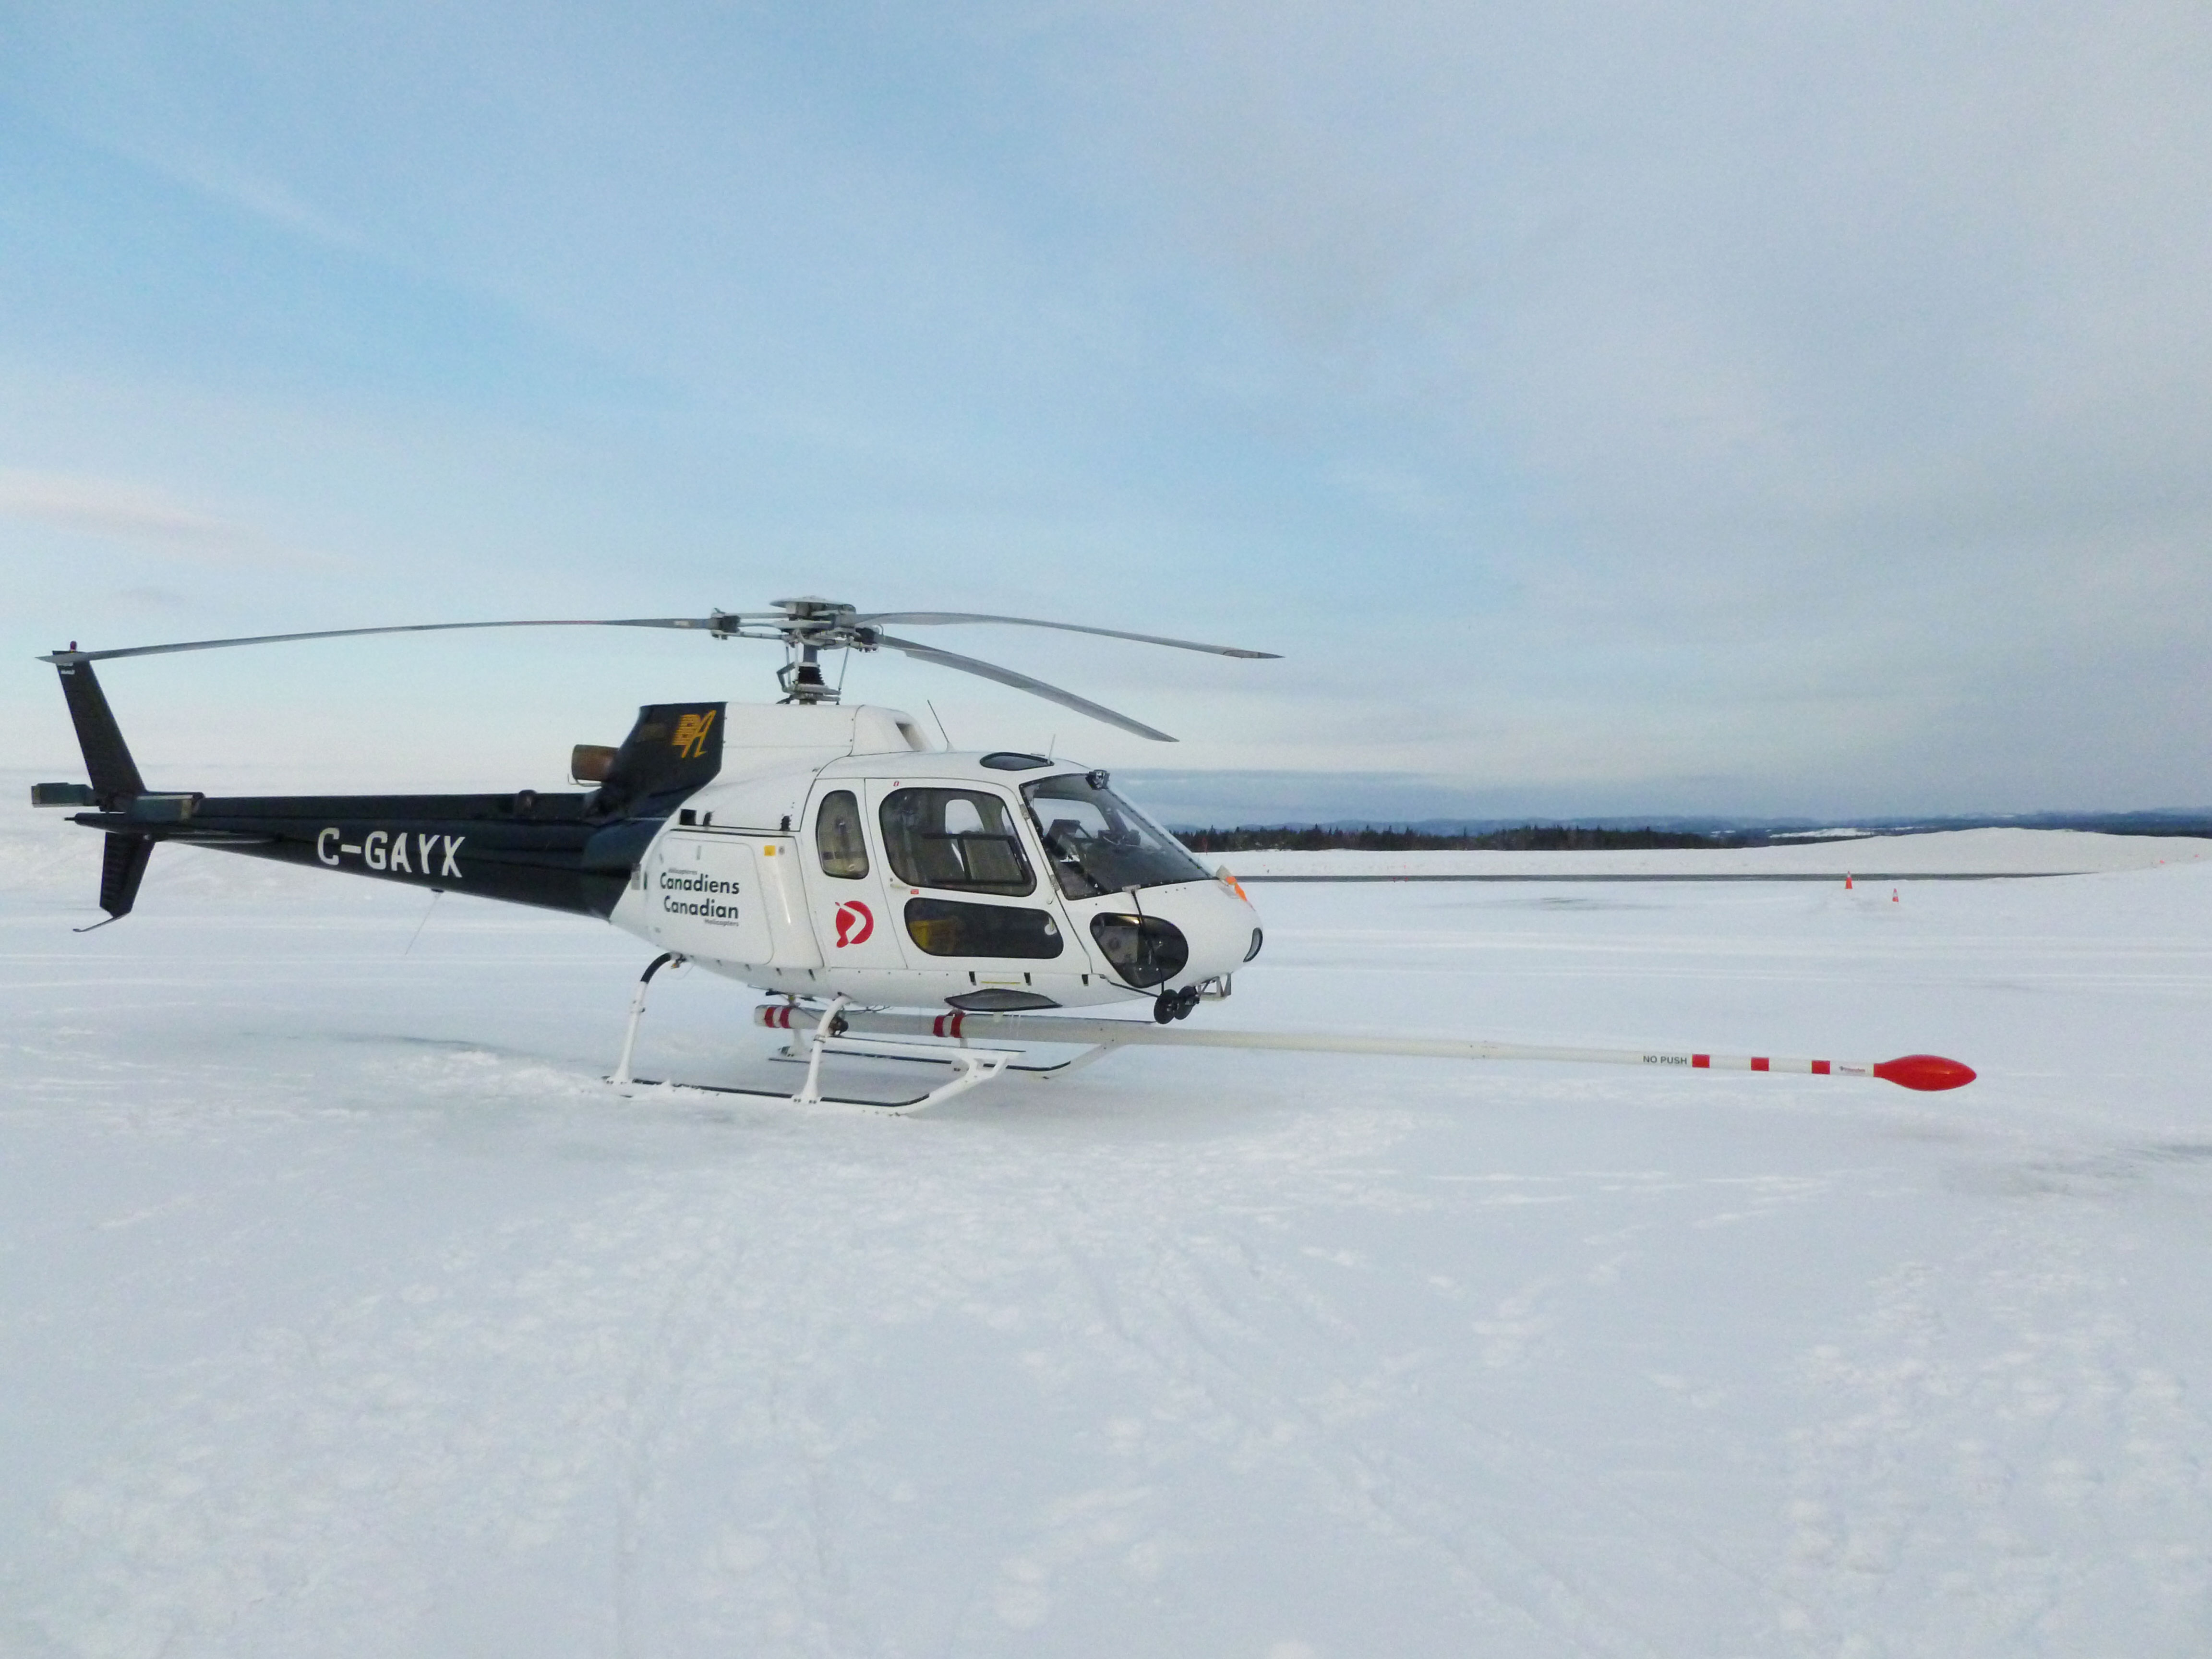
(1022, 682)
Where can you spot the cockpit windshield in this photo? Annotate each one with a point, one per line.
(1098, 843)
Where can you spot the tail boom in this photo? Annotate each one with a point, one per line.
(558, 851)
(524, 847)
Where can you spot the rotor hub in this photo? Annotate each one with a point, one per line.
(812, 625)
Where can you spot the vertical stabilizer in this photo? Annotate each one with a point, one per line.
(107, 757)
(674, 749)
(115, 781)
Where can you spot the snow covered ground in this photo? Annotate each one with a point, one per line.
(346, 1312)
(1948, 852)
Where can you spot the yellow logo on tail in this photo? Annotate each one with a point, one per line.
(691, 734)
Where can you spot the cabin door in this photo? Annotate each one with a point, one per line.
(856, 925)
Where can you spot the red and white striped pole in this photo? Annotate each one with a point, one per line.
(1923, 1071)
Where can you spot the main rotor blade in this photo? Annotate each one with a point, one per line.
(935, 617)
(1022, 682)
(711, 624)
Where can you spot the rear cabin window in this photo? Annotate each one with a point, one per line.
(962, 839)
(837, 837)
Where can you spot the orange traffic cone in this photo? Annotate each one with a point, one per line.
(1847, 881)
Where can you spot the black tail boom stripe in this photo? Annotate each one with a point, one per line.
(530, 849)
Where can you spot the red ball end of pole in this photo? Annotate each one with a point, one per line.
(1928, 1073)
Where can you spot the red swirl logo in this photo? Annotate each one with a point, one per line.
(855, 923)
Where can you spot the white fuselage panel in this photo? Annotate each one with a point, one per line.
(704, 900)
(739, 882)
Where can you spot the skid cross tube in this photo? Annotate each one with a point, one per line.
(811, 1095)
(829, 1035)
(637, 1013)
(1921, 1071)
(970, 1067)
(833, 1033)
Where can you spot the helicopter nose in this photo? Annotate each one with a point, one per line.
(1188, 932)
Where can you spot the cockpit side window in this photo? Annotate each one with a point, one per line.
(1098, 843)
(838, 838)
(962, 839)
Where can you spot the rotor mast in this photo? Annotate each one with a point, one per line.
(814, 625)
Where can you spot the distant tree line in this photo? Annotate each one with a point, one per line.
(1527, 838)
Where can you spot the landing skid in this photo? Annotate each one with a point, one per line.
(968, 1067)
(936, 1056)
(893, 1106)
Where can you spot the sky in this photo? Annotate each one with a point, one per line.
(1604, 409)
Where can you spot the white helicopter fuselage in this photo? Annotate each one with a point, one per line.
(836, 852)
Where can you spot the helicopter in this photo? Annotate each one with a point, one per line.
(905, 901)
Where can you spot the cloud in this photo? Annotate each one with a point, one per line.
(1813, 350)
(264, 198)
(1707, 403)
(123, 511)
(1683, 264)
